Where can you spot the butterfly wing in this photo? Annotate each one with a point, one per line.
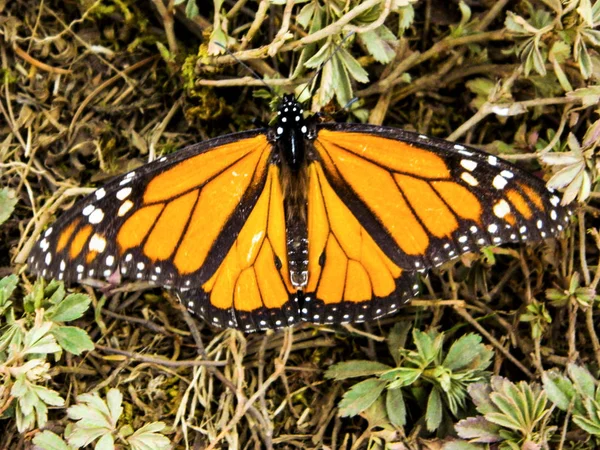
(425, 201)
(251, 289)
(350, 278)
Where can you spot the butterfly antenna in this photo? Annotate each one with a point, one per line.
(248, 68)
(329, 58)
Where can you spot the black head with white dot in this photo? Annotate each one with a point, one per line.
(291, 131)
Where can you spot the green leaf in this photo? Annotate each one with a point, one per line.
(326, 89)
(584, 60)
(461, 445)
(480, 394)
(149, 437)
(478, 429)
(406, 16)
(72, 339)
(396, 340)
(341, 81)
(587, 425)
(583, 379)
(511, 415)
(7, 286)
(360, 397)
(47, 440)
(592, 36)
(56, 292)
(425, 345)
(71, 308)
(191, 9)
(396, 407)
(463, 352)
(82, 436)
(378, 44)
(305, 15)
(8, 201)
(309, 50)
(585, 11)
(353, 369)
(96, 419)
(559, 389)
(433, 416)
(106, 442)
(402, 376)
(48, 396)
(39, 341)
(13, 334)
(320, 57)
(352, 65)
(376, 414)
(114, 399)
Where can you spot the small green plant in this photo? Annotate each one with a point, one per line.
(436, 378)
(513, 415)
(96, 420)
(538, 317)
(579, 392)
(577, 169)
(576, 294)
(27, 343)
(572, 30)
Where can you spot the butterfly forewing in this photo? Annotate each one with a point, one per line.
(426, 201)
(168, 222)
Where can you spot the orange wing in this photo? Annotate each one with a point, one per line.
(425, 201)
(251, 290)
(170, 222)
(350, 278)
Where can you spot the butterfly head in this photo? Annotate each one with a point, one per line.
(290, 131)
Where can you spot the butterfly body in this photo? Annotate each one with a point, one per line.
(302, 221)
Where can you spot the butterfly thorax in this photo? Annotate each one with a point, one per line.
(291, 133)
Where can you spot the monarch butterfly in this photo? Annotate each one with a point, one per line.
(302, 221)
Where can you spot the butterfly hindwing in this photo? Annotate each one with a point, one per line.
(251, 289)
(350, 279)
(425, 201)
(167, 222)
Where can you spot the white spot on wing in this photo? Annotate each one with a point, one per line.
(100, 193)
(125, 206)
(97, 243)
(499, 182)
(123, 193)
(88, 210)
(501, 209)
(96, 217)
(469, 179)
(468, 164)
